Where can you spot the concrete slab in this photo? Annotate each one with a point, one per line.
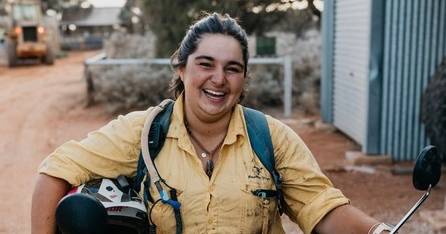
(358, 158)
(362, 169)
(324, 126)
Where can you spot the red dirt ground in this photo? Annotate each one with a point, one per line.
(44, 106)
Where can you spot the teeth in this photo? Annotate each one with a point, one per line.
(215, 93)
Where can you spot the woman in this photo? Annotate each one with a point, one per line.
(206, 157)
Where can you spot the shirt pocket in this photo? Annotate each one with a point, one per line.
(259, 212)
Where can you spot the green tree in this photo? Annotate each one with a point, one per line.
(168, 19)
(58, 5)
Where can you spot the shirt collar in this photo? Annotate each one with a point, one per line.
(236, 126)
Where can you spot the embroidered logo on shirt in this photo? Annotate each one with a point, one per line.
(257, 173)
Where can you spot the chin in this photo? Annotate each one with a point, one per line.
(215, 110)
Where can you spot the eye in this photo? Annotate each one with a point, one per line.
(234, 69)
(205, 64)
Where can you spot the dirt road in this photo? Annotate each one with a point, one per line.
(43, 106)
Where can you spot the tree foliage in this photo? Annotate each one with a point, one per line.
(169, 19)
(58, 5)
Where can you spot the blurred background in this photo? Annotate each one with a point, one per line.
(363, 82)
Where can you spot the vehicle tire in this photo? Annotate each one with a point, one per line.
(11, 52)
(49, 57)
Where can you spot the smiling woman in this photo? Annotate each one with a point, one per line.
(209, 157)
(213, 78)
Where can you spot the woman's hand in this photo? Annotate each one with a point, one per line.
(47, 193)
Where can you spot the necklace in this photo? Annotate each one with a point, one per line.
(209, 155)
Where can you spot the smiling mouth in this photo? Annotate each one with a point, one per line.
(214, 94)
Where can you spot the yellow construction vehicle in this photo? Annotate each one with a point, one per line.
(26, 36)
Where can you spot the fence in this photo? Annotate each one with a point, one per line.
(286, 62)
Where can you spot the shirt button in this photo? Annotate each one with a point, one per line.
(210, 221)
(249, 213)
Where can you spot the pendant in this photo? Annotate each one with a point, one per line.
(209, 167)
(204, 155)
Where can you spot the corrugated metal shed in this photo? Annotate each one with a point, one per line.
(414, 45)
(403, 43)
(350, 71)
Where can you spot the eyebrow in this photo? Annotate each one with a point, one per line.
(231, 62)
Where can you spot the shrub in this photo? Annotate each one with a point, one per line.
(433, 109)
(125, 45)
(130, 87)
(264, 86)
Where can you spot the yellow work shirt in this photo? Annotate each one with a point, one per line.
(223, 203)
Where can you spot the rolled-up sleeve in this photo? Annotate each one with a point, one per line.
(308, 193)
(111, 151)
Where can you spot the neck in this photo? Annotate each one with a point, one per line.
(203, 128)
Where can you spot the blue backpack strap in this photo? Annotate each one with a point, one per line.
(261, 143)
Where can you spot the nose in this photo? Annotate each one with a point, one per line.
(219, 77)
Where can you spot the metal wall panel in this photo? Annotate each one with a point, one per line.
(351, 66)
(414, 44)
(374, 96)
(327, 62)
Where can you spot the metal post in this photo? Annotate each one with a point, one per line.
(89, 81)
(287, 85)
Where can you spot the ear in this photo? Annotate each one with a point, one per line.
(180, 72)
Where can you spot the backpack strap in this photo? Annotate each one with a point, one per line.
(261, 143)
(159, 129)
(153, 137)
(157, 136)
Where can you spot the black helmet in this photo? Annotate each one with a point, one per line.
(102, 206)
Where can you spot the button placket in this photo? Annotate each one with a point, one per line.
(265, 218)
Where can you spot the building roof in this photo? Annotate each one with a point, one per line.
(106, 16)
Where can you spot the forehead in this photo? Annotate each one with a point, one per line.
(220, 47)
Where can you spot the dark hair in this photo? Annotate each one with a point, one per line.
(210, 24)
